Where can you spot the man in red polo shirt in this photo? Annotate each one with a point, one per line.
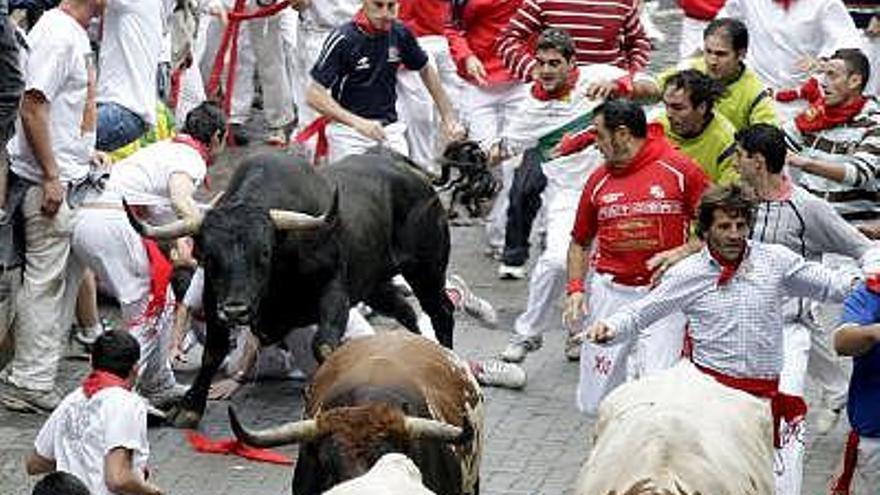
(634, 209)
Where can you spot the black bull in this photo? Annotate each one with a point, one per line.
(288, 246)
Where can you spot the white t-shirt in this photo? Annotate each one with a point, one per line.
(81, 432)
(59, 65)
(780, 37)
(142, 179)
(130, 50)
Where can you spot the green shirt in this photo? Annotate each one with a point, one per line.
(747, 101)
(713, 149)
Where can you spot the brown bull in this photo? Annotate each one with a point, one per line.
(394, 392)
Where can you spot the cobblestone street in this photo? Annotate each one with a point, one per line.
(536, 440)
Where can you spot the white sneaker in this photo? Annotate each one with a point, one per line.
(494, 373)
(463, 298)
(165, 398)
(516, 351)
(826, 419)
(511, 272)
(572, 349)
(88, 336)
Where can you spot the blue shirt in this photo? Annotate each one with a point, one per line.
(862, 307)
(360, 70)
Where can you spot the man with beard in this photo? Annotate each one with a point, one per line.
(732, 293)
(634, 216)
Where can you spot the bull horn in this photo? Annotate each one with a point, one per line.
(431, 429)
(293, 432)
(292, 220)
(172, 230)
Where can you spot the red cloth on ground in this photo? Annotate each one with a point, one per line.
(728, 267)
(791, 408)
(541, 94)
(843, 484)
(203, 444)
(98, 380)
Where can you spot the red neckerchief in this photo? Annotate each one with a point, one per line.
(541, 94)
(196, 145)
(819, 116)
(785, 191)
(233, 446)
(728, 268)
(872, 282)
(99, 380)
(364, 24)
(161, 271)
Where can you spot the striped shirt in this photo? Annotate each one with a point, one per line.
(736, 328)
(856, 146)
(810, 227)
(604, 31)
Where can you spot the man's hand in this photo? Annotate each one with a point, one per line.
(575, 309)
(601, 89)
(370, 128)
(660, 262)
(475, 69)
(598, 333)
(453, 130)
(300, 5)
(53, 195)
(496, 155)
(795, 160)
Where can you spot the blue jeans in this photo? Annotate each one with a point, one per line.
(117, 126)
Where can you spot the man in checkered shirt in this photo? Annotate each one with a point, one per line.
(732, 293)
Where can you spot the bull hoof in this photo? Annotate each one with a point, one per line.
(184, 419)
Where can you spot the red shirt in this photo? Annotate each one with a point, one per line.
(604, 32)
(641, 210)
(424, 17)
(704, 10)
(477, 34)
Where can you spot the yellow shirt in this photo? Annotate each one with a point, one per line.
(713, 149)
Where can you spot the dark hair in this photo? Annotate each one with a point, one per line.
(732, 199)
(699, 87)
(621, 112)
(856, 63)
(556, 39)
(115, 352)
(768, 141)
(734, 29)
(60, 483)
(205, 121)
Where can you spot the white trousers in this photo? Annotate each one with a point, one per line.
(605, 367)
(10, 281)
(872, 50)
(310, 40)
(867, 478)
(107, 244)
(488, 113)
(261, 49)
(47, 298)
(548, 278)
(789, 465)
(344, 140)
(416, 108)
(691, 37)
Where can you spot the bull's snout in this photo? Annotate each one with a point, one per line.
(234, 312)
